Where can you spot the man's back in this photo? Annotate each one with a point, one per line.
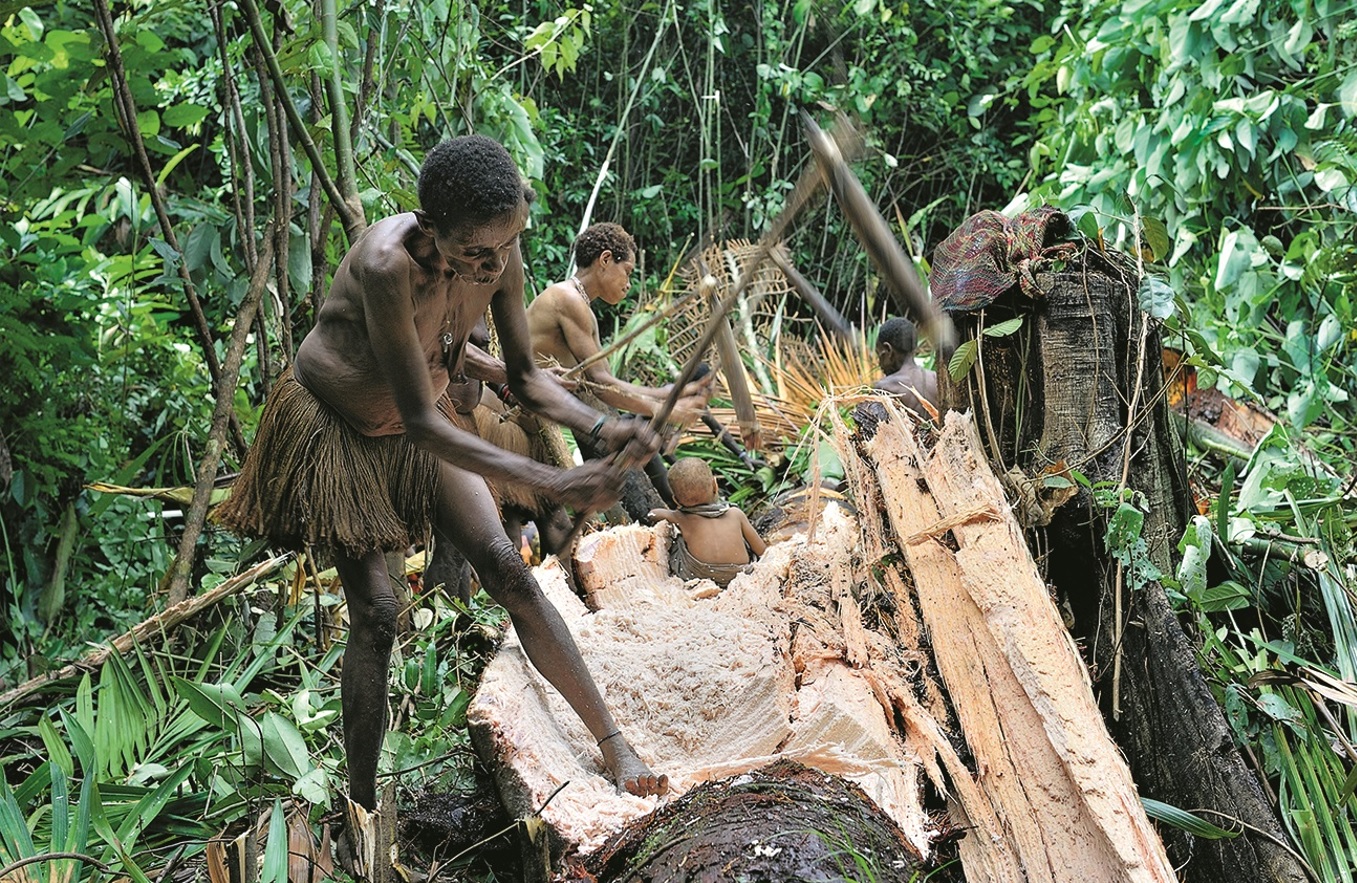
(906, 381)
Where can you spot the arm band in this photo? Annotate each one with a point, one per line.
(597, 429)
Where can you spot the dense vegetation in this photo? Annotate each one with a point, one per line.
(143, 188)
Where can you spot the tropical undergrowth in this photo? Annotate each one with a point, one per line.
(1218, 142)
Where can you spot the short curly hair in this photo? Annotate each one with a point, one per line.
(690, 478)
(601, 237)
(900, 334)
(470, 180)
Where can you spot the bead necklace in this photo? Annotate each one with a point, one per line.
(579, 286)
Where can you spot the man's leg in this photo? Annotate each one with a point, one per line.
(367, 656)
(467, 514)
(448, 567)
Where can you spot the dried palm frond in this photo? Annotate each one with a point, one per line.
(804, 374)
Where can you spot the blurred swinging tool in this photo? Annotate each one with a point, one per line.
(732, 366)
(895, 267)
(807, 187)
(721, 433)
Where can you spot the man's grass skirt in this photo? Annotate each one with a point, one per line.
(312, 480)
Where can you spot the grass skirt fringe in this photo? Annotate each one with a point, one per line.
(522, 433)
(310, 479)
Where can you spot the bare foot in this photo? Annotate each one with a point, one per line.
(629, 772)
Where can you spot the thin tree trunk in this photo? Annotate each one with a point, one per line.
(196, 516)
(351, 214)
(127, 110)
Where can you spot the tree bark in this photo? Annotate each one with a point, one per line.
(784, 822)
(1080, 387)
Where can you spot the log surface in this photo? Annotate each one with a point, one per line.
(914, 645)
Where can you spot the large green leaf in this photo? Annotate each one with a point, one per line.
(218, 704)
(284, 746)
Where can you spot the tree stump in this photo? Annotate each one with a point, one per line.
(1080, 387)
(783, 822)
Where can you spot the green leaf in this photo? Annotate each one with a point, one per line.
(284, 746)
(199, 243)
(34, 24)
(1229, 595)
(1196, 550)
(456, 711)
(55, 747)
(14, 834)
(1277, 708)
(1005, 328)
(1156, 237)
(962, 360)
(1156, 297)
(1124, 527)
(1347, 94)
(275, 853)
(181, 115)
(319, 58)
(1184, 820)
(314, 787)
(1236, 257)
(148, 123)
(81, 744)
(218, 704)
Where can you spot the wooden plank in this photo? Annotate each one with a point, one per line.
(1054, 780)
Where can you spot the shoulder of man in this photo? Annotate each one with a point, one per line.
(382, 248)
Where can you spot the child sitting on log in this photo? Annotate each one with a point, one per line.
(905, 378)
(714, 540)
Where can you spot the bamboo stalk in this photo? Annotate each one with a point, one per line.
(353, 220)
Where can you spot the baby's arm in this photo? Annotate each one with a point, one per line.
(657, 515)
(751, 536)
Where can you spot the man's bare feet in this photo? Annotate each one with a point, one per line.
(629, 772)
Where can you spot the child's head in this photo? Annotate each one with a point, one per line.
(894, 344)
(692, 482)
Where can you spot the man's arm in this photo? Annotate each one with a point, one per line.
(543, 394)
(482, 366)
(579, 330)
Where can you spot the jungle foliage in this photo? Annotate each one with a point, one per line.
(1216, 140)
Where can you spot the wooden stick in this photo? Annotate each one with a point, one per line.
(166, 619)
(875, 234)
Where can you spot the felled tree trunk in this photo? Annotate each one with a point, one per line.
(914, 645)
(1079, 387)
(784, 822)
